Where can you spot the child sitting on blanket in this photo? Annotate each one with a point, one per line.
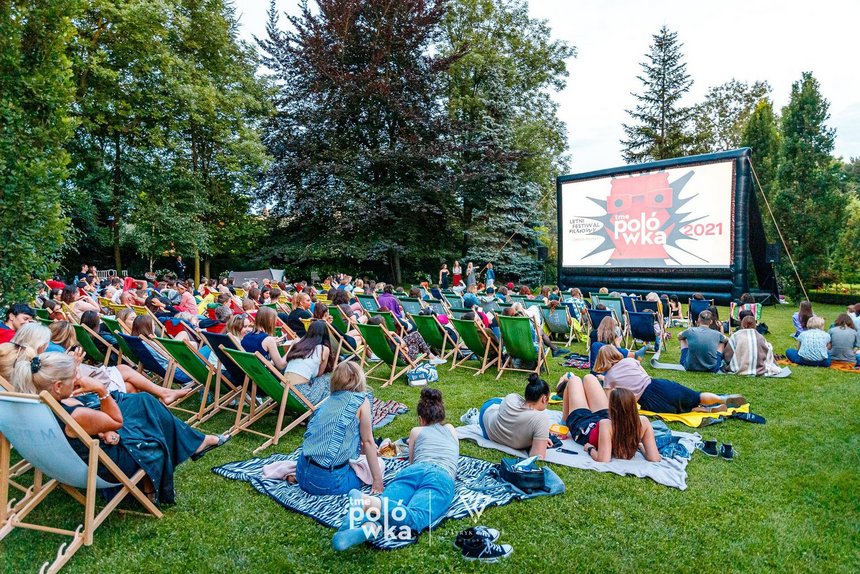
(606, 426)
(421, 493)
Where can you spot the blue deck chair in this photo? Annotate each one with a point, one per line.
(629, 302)
(696, 306)
(150, 363)
(642, 328)
(597, 315)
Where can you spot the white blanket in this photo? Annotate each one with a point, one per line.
(668, 472)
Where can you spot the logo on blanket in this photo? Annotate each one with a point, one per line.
(386, 523)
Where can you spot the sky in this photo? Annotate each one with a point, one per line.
(747, 40)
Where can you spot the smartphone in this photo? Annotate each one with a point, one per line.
(567, 451)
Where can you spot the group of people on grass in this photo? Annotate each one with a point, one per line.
(816, 347)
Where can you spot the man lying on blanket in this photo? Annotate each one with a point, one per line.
(418, 495)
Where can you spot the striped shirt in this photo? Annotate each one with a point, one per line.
(333, 436)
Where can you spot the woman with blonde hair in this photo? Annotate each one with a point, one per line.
(126, 318)
(657, 395)
(340, 429)
(239, 325)
(135, 431)
(812, 344)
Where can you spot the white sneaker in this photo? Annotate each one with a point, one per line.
(438, 361)
(471, 417)
(373, 358)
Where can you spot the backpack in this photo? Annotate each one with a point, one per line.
(421, 375)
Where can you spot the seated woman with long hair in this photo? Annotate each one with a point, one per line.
(122, 378)
(262, 338)
(340, 430)
(143, 327)
(321, 312)
(419, 494)
(608, 332)
(77, 303)
(135, 430)
(309, 362)
(606, 427)
(412, 344)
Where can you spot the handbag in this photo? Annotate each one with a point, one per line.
(421, 375)
(528, 479)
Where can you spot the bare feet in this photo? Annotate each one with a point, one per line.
(173, 395)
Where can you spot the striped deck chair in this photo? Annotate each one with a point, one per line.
(33, 425)
(518, 343)
(262, 374)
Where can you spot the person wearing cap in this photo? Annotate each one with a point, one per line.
(18, 315)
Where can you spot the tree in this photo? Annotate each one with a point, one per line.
(36, 93)
(761, 135)
(720, 120)
(508, 143)
(358, 138)
(661, 124)
(809, 202)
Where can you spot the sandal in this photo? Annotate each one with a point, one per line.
(222, 440)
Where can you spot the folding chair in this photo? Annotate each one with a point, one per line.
(261, 373)
(470, 338)
(411, 306)
(30, 424)
(696, 306)
(629, 302)
(42, 313)
(452, 299)
(595, 298)
(390, 321)
(46, 322)
(379, 340)
(642, 328)
(458, 312)
(528, 303)
(596, 316)
(435, 335)
(342, 347)
(205, 375)
(368, 302)
(559, 322)
(16, 470)
(126, 353)
(617, 307)
(491, 306)
(87, 339)
(518, 344)
(437, 306)
(147, 361)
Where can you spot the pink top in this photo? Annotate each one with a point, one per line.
(187, 303)
(627, 374)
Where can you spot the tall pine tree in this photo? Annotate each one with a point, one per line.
(761, 134)
(661, 124)
(36, 94)
(809, 202)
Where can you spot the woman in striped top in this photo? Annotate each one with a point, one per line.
(338, 431)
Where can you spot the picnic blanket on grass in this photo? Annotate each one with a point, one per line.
(669, 472)
(383, 412)
(330, 510)
(656, 364)
(694, 419)
(835, 365)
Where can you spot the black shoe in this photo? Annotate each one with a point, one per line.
(727, 452)
(709, 448)
(484, 550)
(477, 532)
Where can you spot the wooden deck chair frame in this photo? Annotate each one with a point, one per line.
(18, 469)
(546, 314)
(342, 347)
(81, 329)
(398, 354)
(244, 422)
(540, 352)
(424, 323)
(83, 535)
(462, 326)
(178, 352)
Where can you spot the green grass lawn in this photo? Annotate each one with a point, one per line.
(788, 503)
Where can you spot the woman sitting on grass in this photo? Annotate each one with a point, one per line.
(340, 428)
(421, 493)
(135, 430)
(606, 427)
(812, 345)
(844, 341)
(656, 395)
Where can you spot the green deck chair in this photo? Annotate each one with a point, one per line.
(205, 375)
(559, 322)
(87, 340)
(368, 302)
(434, 334)
(44, 321)
(458, 312)
(262, 374)
(43, 313)
(470, 338)
(341, 347)
(517, 342)
(125, 352)
(411, 306)
(379, 340)
(390, 322)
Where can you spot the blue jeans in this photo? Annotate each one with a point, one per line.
(319, 481)
(685, 351)
(487, 404)
(421, 493)
(794, 356)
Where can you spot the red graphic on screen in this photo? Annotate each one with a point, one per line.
(642, 218)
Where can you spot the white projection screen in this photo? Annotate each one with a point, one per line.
(671, 217)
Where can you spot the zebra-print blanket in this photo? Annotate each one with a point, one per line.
(330, 510)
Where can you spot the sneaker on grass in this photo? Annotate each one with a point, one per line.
(484, 550)
(437, 361)
(490, 534)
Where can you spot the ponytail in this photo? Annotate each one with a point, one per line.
(34, 374)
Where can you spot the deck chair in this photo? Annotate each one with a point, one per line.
(148, 362)
(380, 340)
(735, 310)
(452, 299)
(437, 306)
(16, 470)
(664, 301)
(491, 306)
(42, 313)
(617, 307)
(29, 423)
(458, 312)
(597, 315)
(87, 340)
(411, 306)
(262, 374)
(528, 303)
(642, 329)
(45, 321)
(470, 339)
(368, 302)
(559, 322)
(435, 335)
(696, 306)
(517, 343)
(205, 375)
(595, 298)
(341, 347)
(126, 353)
(390, 321)
(629, 302)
